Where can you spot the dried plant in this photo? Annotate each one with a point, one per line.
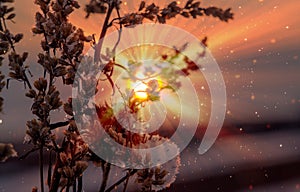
(7, 43)
(62, 52)
(7, 151)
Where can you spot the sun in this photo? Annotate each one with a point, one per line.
(140, 92)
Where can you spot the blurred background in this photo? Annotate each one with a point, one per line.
(259, 55)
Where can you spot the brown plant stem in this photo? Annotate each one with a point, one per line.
(58, 125)
(97, 58)
(120, 32)
(79, 187)
(74, 185)
(56, 176)
(41, 158)
(68, 185)
(103, 33)
(27, 81)
(126, 184)
(106, 170)
(28, 153)
(49, 170)
(1, 28)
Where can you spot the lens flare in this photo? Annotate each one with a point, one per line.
(148, 72)
(140, 91)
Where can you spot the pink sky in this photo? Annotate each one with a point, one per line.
(258, 53)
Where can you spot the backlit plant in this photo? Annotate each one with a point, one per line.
(61, 53)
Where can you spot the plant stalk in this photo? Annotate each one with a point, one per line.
(106, 170)
(98, 47)
(79, 187)
(41, 158)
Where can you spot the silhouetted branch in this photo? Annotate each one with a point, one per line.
(58, 125)
(106, 170)
(41, 162)
(28, 153)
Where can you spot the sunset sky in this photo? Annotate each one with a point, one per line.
(258, 53)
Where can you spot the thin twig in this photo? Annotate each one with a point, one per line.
(126, 184)
(68, 185)
(56, 176)
(41, 168)
(106, 170)
(27, 81)
(28, 153)
(62, 189)
(58, 125)
(74, 185)
(112, 21)
(49, 170)
(120, 32)
(98, 47)
(79, 188)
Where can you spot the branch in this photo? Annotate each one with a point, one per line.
(28, 153)
(106, 170)
(58, 125)
(56, 176)
(24, 78)
(49, 169)
(120, 31)
(98, 47)
(79, 189)
(112, 21)
(41, 160)
(155, 13)
(126, 184)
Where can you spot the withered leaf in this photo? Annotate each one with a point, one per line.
(185, 14)
(10, 9)
(18, 37)
(11, 16)
(142, 5)
(31, 94)
(195, 5)
(59, 71)
(173, 4)
(37, 30)
(161, 19)
(188, 4)
(68, 109)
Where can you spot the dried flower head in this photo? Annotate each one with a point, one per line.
(37, 133)
(7, 151)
